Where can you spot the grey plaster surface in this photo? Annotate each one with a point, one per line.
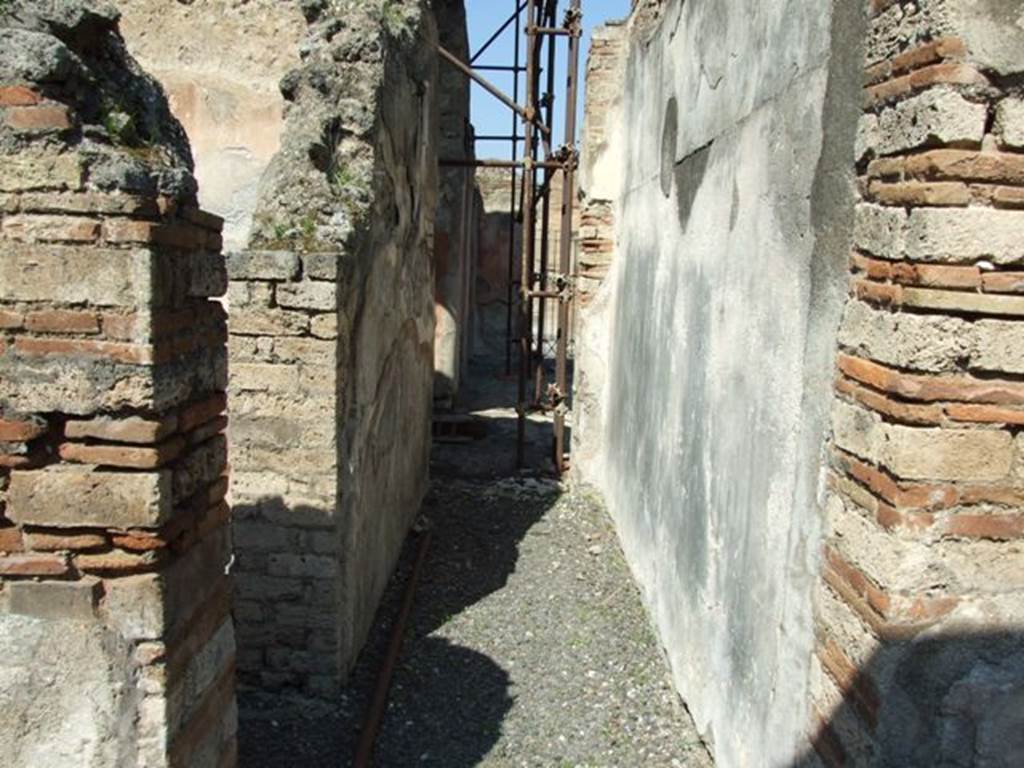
(735, 137)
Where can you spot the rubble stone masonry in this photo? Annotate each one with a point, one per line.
(921, 605)
(114, 549)
(331, 348)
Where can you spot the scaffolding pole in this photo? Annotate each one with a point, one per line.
(529, 282)
(549, 106)
(529, 241)
(573, 22)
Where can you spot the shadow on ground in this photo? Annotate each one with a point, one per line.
(449, 702)
(454, 699)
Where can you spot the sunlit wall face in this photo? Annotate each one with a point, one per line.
(490, 116)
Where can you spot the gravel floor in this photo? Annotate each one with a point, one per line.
(528, 645)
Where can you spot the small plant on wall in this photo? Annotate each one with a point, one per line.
(397, 17)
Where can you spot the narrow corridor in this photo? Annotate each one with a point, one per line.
(528, 644)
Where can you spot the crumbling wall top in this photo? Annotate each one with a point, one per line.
(321, 183)
(88, 98)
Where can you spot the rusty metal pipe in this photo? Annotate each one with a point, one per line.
(509, 288)
(458, 162)
(490, 41)
(550, 14)
(573, 20)
(528, 114)
(375, 712)
(554, 31)
(526, 283)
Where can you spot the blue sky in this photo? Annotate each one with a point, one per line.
(490, 116)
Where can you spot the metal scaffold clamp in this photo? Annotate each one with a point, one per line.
(573, 17)
(568, 156)
(566, 285)
(557, 400)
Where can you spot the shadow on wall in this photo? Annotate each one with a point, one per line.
(950, 700)
(287, 608)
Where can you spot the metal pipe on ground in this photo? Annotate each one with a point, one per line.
(378, 705)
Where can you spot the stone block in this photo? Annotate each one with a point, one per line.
(70, 496)
(78, 385)
(1009, 124)
(937, 115)
(284, 433)
(20, 174)
(263, 537)
(999, 346)
(272, 589)
(321, 266)
(324, 326)
(868, 137)
(302, 566)
(250, 294)
(263, 265)
(260, 321)
(94, 276)
(942, 235)
(915, 453)
(208, 275)
(931, 342)
(878, 230)
(855, 430)
(309, 294)
(305, 350)
(978, 455)
(264, 377)
(74, 600)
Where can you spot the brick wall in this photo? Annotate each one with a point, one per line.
(605, 73)
(331, 350)
(922, 599)
(605, 64)
(114, 594)
(284, 449)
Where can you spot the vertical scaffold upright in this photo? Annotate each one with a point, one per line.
(529, 289)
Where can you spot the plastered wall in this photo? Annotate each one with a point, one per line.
(220, 63)
(719, 185)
